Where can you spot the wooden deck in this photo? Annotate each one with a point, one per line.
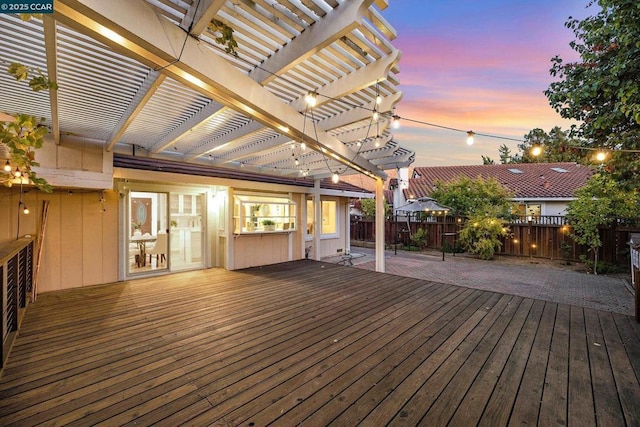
(316, 344)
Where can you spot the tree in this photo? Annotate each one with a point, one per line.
(469, 197)
(368, 207)
(487, 160)
(506, 157)
(599, 203)
(555, 146)
(601, 89)
(484, 202)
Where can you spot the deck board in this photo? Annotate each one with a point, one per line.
(309, 343)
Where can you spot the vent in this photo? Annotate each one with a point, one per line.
(515, 171)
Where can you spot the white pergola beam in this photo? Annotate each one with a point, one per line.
(199, 19)
(229, 141)
(150, 84)
(136, 30)
(359, 114)
(337, 23)
(201, 116)
(353, 82)
(51, 48)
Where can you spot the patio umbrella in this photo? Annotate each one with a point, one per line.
(424, 205)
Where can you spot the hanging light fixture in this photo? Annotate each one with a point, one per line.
(25, 209)
(470, 135)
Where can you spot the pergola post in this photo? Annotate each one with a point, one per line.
(379, 226)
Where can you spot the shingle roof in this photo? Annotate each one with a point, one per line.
(526, 180)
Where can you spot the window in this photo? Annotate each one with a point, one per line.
(329, 217)
(263, 214)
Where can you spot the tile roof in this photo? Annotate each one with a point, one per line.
(526, 180)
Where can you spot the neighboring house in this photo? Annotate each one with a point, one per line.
(540, 188)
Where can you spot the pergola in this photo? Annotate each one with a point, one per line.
(148, 78)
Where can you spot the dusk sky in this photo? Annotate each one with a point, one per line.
(479, 65)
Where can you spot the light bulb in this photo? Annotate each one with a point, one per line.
(297, 162)
(17, 173)
(7, 166)
(335, 178)
(395, 123)
(536, 150)
(470, 137)
(311, 99)
(376, 116)
(378, 100)
(600, 156)
(377, 143)
(303, 146)
(25, 210)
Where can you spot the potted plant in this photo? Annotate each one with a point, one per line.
(269, 225)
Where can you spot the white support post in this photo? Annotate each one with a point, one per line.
(317, 204)
(379, 226)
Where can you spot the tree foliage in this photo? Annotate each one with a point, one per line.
(599, 203)
(23, 137)
(368, 207)
(469, 197)
(601, 89)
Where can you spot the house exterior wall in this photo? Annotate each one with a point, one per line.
(82, 243)
(80, 246)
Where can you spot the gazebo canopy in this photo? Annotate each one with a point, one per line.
(424, 205)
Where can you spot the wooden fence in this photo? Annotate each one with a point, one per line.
(542, 237)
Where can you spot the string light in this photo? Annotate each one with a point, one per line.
(601, 156)
(311, 99)
(335, 178)
(536, 150)
(7, 166)
(470, 135)
(17, 173)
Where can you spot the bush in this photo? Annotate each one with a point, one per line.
(480, 236)
(419, 238)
